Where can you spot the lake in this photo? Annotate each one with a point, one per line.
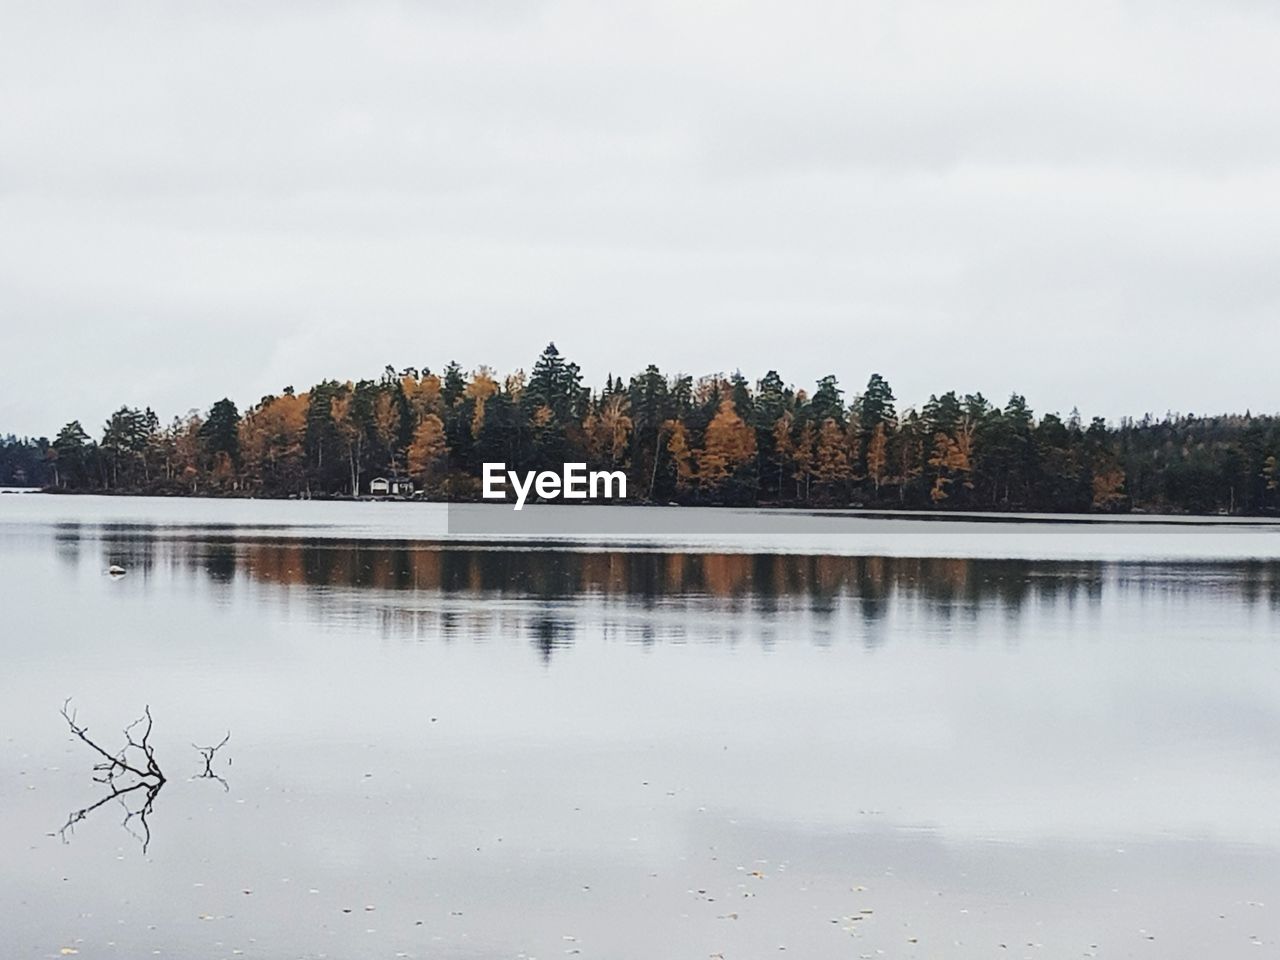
(693, 733)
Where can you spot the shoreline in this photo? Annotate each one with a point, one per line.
(1064, 518)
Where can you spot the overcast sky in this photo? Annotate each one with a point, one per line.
(1077, 201)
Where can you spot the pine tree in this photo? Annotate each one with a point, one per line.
(827, 402)
(220, 436)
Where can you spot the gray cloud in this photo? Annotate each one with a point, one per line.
(1076, 202)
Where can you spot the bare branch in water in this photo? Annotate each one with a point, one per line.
(206, 754)
(115, 771)
(131, 773)
(116, 764)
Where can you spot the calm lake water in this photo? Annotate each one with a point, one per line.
(852, 737)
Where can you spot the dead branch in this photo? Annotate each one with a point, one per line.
(118, 763)
(130, 773)
(145, 746)
(114, 768)
(206, 754)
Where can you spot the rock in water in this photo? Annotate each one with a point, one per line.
(116, 570)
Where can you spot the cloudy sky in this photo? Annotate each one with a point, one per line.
(1078, 201)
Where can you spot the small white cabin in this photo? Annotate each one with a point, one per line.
(394, 487)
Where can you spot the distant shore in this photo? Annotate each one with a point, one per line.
(873, 513)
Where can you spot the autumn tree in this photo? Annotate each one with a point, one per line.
(832, 468)
(951, 464)
(481, 388)
(1108, 488)
(728, 451)
(718, 438)
(681, 456)
(189, 465)
(428, 450)
(272, 437)
(804, 459)
(608, 431)
(423, 393)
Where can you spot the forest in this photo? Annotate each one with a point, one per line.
(714, 440)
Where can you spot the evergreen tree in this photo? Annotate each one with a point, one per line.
(827, 402)
(221, 430)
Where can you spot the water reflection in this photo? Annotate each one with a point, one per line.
(545, 595)
(208, 756)
(971, 754)
(766, 581)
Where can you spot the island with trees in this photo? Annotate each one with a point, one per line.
(715, 440)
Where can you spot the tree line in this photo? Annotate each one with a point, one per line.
(713, 440)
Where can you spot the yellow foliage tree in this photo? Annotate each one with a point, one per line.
(428, 450)
(514, 384)
(608, 432)
(423, 394)
(877, 455)
(678, 447)
(832, 468)
(952, 461)
(271, 442)
(729, 444)
(186, 450)
(481, 387)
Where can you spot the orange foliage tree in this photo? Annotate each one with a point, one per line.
(428, 451)
(728, 446)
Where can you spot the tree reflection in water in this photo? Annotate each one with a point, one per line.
(450, 590)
